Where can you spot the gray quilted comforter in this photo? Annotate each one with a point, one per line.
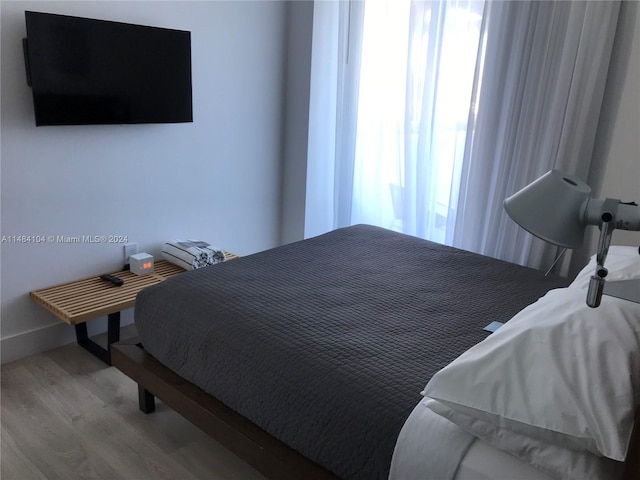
(326, 343)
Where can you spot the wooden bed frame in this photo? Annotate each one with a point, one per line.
(263, 452)
(266, 454)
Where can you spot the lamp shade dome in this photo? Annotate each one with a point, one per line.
(550, 208)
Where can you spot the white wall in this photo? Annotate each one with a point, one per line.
(217, 179)
(298, 77)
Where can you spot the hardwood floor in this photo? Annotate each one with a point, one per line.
(66, 415)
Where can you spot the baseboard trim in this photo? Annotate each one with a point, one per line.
(51, 336)
(35, 341)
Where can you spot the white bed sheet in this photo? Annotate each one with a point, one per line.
(483, 462)
(430, 447)
(428, 443)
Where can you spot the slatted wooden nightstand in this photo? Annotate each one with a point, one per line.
(77, 302)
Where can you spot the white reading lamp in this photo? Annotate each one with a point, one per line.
(558, 207)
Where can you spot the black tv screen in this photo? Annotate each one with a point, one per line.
(86, 72)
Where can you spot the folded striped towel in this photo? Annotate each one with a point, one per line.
(192, 254)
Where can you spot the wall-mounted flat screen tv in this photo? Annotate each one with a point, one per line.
(86, 72)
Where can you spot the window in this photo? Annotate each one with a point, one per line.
(416, 77)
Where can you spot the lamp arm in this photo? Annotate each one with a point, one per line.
(609, 214)
(627, 216)
(608, 211)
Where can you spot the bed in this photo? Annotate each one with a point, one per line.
(308, 360)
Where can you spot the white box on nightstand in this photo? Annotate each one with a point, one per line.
(141, 263)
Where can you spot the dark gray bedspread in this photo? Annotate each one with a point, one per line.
(327, 343)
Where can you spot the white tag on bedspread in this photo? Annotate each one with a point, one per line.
(493, 326)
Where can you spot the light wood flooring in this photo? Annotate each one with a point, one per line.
(66, 415)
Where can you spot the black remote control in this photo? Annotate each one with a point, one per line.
(113, 279)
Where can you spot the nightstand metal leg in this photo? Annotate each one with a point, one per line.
(113, 331)
(113, 335)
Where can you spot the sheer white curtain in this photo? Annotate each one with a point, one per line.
(425, 115)
(416, 80)
(538, 92)
(400, 75)
(335, 74)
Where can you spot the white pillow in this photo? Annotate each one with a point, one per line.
(559, 372)
(623, 263)
(554, 460)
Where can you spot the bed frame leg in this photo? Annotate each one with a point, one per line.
(146, 401)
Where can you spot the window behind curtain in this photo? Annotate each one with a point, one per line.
(417, 68)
